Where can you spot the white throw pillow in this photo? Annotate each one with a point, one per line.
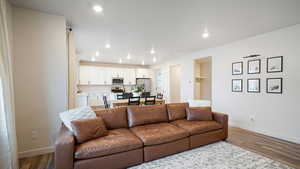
(80, 113)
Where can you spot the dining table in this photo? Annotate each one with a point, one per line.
(124, 102)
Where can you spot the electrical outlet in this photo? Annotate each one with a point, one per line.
(34, 134)
(252, 118)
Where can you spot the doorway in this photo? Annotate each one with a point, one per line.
(175, 86)
(203, 80)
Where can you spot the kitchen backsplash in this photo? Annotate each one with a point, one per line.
(100, 88)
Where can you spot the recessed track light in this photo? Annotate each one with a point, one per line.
(152, 51)
(205, 34)
(107, 45)
(154, 59)
(98, 8)
(128, 56)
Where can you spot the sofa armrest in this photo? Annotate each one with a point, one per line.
(64, 149)
(223, 119)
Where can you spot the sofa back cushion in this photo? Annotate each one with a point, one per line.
(140, 115)
(177, 111)
(199, 113)
(85, 130)
(114, 118)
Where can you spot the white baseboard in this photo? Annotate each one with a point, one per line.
(35, 152)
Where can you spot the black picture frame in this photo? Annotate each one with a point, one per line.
(248, 66)
(281, 65)
(258, 91)
(280, 83)
(241, 82)
(233, 66)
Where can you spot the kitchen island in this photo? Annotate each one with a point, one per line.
(124, 102)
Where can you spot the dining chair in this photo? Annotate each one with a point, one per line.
(150, 100)
(127, 95)
(106, 105)
(120, 96)
(159, 96)
(134, 100)
(145, 94)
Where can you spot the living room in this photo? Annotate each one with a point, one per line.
(149, 84)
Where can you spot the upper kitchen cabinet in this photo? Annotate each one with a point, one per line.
(117, 72)
(129, 77)
(86, 74)
(91, 75)
(101, 75)
(104, 74)
(143, 73)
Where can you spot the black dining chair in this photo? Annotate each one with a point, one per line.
(106, 105)
(134, 100)
(145, 94)
(150, 100)
(120, 96)
(159, 96)
(127, 95)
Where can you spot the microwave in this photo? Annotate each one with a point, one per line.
(117, 80)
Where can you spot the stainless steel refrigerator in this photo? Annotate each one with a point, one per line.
(146, 82)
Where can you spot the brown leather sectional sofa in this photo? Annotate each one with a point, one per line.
(138, 134)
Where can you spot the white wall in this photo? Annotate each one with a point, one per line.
(40, 78)
(275, 115)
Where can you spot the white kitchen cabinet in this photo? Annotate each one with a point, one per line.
(107, 77)
(94, 75)
(101, 75)
(90, 75)
(84, 75)
(117, 72)
(129, 77)
(143, 73)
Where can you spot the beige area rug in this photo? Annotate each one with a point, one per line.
(220, 155)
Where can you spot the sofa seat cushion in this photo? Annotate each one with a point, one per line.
(153, 134)
(197, 127)
(118, 140)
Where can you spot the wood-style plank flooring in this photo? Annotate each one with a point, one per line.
(278, 150)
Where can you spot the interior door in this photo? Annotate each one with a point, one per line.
(175, 85)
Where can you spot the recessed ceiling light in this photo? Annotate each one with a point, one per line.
(154, 59)
(205, 34)
(93, 59)
(120, 60)
(128, 56)
(97, 8)
(97, 53)
(143, 62)
(107, 46)
(152, 51)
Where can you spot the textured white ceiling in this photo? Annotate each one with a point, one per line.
(173, 27)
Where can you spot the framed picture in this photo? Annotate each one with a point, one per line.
(274, 85)
(274, 64)
(237, 68)
(254, 66)
(237, 85)
(253, 85)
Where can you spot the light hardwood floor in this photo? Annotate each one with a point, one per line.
(279, 150)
